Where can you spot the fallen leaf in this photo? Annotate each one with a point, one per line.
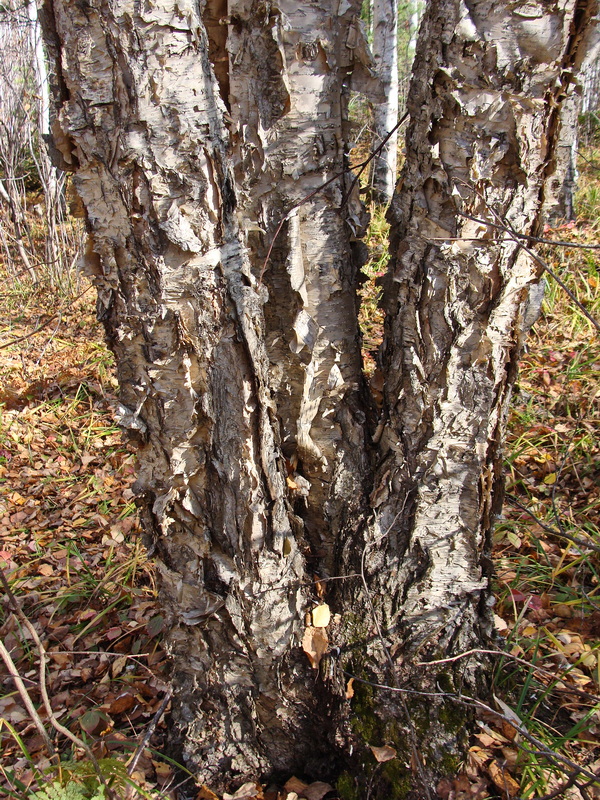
(248, 791)
(118, 666)
(503, 779)
(385, 753)
(155, 625)
(443, 789)
(316, 790)
(510, 715)
(500, 624)
(350, 689)
(91, 722)
(122, 703)
(487, 740)
(206, 794)
(294, 784)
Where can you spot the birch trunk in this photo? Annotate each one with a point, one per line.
(563, 184)
(191, 138)
(192, 135)
(488, 83)
(385, 115)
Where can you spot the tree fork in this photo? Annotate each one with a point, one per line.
(190, 135)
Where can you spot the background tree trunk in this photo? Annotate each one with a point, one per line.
(385, 115)
(262, 461)
(563, 184)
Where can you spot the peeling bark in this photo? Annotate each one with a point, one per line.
(244, 395)
(488, 83)
(193, 131)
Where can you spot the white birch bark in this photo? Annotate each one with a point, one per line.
(488, 82)
(385, 115)
(563, 183)
(245, 396)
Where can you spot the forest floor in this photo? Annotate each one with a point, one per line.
(71, 553)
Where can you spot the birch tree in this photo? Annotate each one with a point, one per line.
(304, 532)
(385, 114)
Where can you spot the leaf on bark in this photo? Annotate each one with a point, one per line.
(315, 644)
(205, 606)
(321, 616)
(382, 754)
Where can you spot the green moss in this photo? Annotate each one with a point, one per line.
(449, 764)
(347, 788)
(399, 779)
(364, 720)
(393, 779)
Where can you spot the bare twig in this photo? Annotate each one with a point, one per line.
(44, 324)
(27, 701)
(549, 529)
(529, 664)
(588, 161)
(559, 791)
(31, 333)
(562, 285)
(150, 730)
(472, 702)
(43, 687)
(527, 237)
(360, 167)
(518, 238)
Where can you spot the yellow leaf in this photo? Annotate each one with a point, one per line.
(589, 660)
(321, 615)
(550, 480)
(350, 689)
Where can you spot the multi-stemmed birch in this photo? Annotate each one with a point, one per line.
(270, 479)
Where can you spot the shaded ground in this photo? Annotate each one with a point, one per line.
(68, 539)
